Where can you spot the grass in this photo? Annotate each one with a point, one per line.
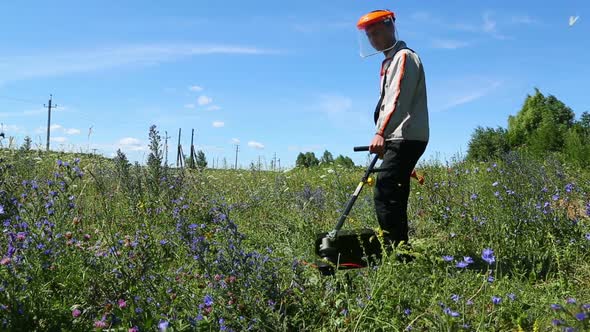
(92, 243)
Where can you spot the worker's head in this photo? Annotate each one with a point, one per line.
(377, 32)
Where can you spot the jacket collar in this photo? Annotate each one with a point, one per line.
(391, 53)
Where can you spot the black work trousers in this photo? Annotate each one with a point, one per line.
(392, 188)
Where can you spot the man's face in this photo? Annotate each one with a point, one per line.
(380, 35)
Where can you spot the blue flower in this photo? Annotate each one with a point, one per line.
(468, 259)
(450, 312)
(571, 301)
(455, 297)
(208, 300)
(581, 316)
(556, 307)
(462, 264)
(569, 187)
(407, 311)
(1, 209)
(163, 325)
(488, 256)
(556, 322)
(496, 300)
(448, 258)
(511, 296)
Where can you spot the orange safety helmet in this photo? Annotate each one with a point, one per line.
(374, 17)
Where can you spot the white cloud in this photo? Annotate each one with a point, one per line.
(189, 106)
(55, 127)
(471, 90)
(11, 129)
(72, 131)
(235, 141)
(132, 144)
(204, 100)
(218, 124)
(195, 88)
(58, 139)
(47, 64)
(448, 44)
(256, 145)
(213, 108)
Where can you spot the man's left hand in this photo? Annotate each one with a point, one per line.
(377, 145)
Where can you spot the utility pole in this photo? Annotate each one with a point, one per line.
(237, 149)
(193, 153)
(49, 119)
(179, 153)
(274, 164)
(166, 137)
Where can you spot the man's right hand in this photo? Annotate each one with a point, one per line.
(377, 145)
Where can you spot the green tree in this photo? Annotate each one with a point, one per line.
(487, 144)
(201, 159)
(327, 158)
(540, 118)
(26, 144)
(344, 161)
(306, 160)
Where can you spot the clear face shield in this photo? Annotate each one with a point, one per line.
(377, 37)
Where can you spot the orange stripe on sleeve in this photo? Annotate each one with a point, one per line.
(397, 93)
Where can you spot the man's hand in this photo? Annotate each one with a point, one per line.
(377, 145)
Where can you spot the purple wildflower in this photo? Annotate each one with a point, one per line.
(134, 329)
(450, 312)
(556, 322)
(447, 258)
(569, 187)
(571, 300)
(491, 279)
(556, 307)
(512, 296)
(100, 324)
(468, 259)
(163, 325)
(208, 300)
(407, 311)
(495, 184)
(1, 209)
(462, 264)
(496, 300)
(488, 256)
(455, 297)
(581, 316)
(76, 313)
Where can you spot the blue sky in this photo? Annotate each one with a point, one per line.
(273, 76)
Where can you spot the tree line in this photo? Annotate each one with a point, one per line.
(543, 126)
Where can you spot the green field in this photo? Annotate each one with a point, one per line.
(97, 243)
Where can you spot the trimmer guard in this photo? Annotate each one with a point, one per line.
(350, 249)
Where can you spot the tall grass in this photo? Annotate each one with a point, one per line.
(93, 243)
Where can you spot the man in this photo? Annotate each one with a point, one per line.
(401, 119)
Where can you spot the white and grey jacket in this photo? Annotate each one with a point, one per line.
(402, 112)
